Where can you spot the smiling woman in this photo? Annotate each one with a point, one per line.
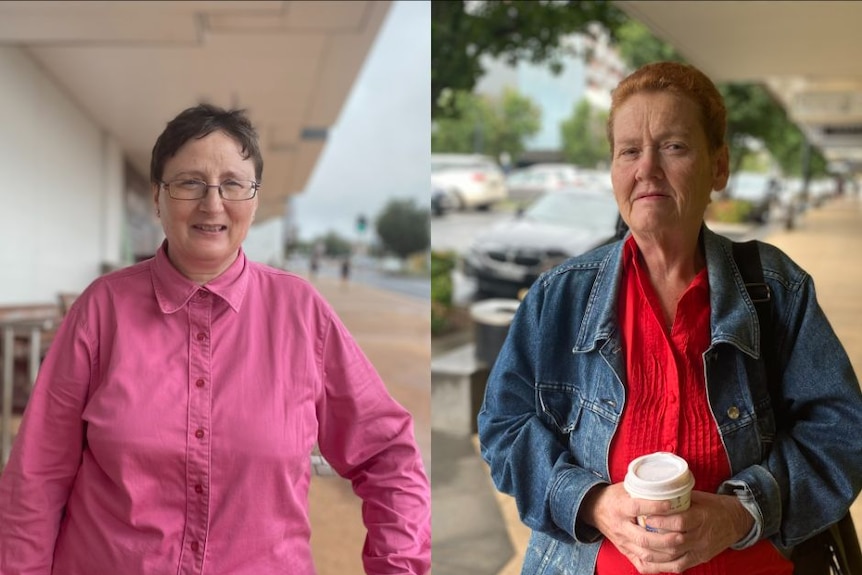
(204, 228)
(172, 423)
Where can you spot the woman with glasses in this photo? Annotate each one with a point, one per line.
(171, 426)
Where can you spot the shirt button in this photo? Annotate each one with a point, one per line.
(199, 433)
(195, 546)
(733, 412)
(201, 336)
(670, 447)
(199, 383)
(199, 488)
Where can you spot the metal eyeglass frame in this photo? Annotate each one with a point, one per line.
(255, 186)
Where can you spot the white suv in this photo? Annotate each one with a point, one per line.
(474, 181)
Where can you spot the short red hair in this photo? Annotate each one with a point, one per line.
(683, 79)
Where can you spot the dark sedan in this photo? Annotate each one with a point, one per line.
(511, 254)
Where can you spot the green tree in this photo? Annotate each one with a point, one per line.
(335, 245)
(487, 126)
(404, 228)
(466, 131)
(516, 118)
(751, 114)
(637, 46)
(584, 137)
(529, 30)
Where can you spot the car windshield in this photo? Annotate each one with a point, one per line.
(583, 211)
(748, 186)
(444, 166)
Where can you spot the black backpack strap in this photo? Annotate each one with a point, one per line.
(836, 550)
(747, 258)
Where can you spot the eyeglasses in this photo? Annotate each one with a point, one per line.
(231, 190)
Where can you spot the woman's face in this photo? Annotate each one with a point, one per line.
(662, 170)
(204, 236)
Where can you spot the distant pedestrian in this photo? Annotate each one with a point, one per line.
(313, 265)
(345, 269)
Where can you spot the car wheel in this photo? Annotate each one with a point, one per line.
(460, 203)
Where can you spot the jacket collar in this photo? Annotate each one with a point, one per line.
(733, 317)
(174, 290)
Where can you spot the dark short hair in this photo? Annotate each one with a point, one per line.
(682, 79)
(198, 122)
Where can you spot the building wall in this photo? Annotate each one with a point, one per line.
(70, 208)
(60, 189)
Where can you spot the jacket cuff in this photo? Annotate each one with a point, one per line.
(746, 498)
(566, 496)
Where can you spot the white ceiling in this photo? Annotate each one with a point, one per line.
(133, 65)
(808, 53)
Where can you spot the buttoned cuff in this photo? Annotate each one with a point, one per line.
(746, 497)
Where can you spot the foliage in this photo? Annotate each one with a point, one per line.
(584, 138)
(335, 245)
(404, 228)
(728, 211)
(751, 114)
(442, 264)
(637, 46)
(516, 30)
(487, 126)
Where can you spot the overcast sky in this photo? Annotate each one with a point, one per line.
(379, 148)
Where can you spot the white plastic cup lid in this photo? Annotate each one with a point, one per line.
(658, 476)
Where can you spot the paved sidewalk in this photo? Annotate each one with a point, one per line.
(394, 331)
(827, 243)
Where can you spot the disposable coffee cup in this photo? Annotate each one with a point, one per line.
(660, 476)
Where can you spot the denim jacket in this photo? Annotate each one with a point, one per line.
(557, 390)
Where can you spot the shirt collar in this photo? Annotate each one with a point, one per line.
(632, 262)
(174, 290)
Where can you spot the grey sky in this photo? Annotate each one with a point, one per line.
(380, 147)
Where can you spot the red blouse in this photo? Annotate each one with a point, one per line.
(667, 408)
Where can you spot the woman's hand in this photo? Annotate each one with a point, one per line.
(675, 541)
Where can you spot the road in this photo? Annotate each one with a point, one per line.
(455, 231)
(367, 272)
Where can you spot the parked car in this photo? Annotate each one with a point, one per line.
(762, 191)
(526, 184)
(442, 200)
(473, 181)
(512, 254)
(820, 190)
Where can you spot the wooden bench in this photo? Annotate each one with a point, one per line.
(26, 332)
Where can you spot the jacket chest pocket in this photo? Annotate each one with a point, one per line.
(584, 427)
(560, 407)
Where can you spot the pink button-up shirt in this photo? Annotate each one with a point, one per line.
(171, 427)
